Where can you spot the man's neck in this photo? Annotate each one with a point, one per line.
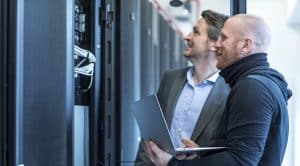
(203, 70)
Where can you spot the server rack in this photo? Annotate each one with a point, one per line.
(142, 58)
(108, 89)
(129, 55)
(38, 87)
(37, 82)
(3, 81)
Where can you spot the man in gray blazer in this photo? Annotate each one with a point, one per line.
(193, 98)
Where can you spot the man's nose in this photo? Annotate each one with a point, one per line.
(188, 36)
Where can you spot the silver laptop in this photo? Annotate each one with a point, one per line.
(153, 126)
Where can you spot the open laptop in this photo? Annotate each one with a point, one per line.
(153, 127)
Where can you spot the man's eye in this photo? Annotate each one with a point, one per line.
(223, 38)
(196, 32)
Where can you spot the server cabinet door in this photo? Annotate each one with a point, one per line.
(48, 82)
(130, 77)
(40, 82)
(147, 58)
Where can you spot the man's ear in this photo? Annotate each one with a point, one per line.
(247, 46)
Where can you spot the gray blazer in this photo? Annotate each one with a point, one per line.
(204, 134)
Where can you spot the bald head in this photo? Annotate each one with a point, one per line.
(253, 27)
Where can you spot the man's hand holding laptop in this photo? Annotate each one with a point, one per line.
(187, 144)
(161, 158)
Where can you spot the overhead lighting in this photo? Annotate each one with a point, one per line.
(176, 3)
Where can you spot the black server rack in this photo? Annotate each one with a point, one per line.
(88, 17)
(47, 82)
(129, 54)
(109, 88)
(38, 84)
(38, 87)
(3, 80)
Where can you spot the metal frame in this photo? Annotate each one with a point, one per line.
(238, 6)
(129, 77)
(3, 81)
(108, 98)
(94, 113)
(14, 86)
(69, 86)
(19, 64)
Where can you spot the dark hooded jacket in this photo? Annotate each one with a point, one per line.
(256, 116)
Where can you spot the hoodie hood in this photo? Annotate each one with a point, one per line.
(276, 77)
(255, 64)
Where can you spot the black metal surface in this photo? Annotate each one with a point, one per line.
(108, 79)
(238, 6)
(12, 88)
(3, 81)
(95, 147)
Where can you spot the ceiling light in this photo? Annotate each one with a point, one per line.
(176, 3)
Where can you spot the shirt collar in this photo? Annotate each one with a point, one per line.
(189, 76)
(213, 78)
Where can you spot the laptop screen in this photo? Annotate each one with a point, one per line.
(152, 123)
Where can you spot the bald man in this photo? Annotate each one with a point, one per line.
(256, 115)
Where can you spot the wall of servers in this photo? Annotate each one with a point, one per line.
(71, 76)
(133, 46)
(148, 46)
